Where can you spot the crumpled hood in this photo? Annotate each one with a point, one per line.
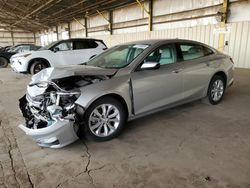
(62, 72)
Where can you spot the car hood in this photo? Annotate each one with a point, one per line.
(21, 54)
(53, 73)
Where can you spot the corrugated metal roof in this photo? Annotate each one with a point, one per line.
(41, 14)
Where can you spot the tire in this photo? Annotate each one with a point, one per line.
(3, 62)
(216, 90)
(95, 116)
(37, 66)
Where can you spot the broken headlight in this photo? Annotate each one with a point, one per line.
(54, 104)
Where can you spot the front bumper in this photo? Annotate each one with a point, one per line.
(18, 65)
(57, 135)
(58, 132)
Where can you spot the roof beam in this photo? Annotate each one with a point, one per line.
(37, 15)
(60, 11)
(33, 12)
(15, 17)
(79, 13)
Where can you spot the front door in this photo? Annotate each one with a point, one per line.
(63, 54)
(157, 88)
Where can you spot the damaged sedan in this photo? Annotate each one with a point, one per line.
(123, 83)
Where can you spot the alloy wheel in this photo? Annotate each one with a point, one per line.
(39, 67)
(217, 90)
(3, 62)
(104, 120)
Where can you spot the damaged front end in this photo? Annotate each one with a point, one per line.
(51, 115)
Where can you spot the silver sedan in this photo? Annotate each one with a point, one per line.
(125, 82)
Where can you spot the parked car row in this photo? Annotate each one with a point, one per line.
(128, 81)
(5, 48)
(59, 53)
(7, 52)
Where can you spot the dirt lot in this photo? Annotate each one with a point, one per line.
(195, 145)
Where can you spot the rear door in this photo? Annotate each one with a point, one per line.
(157, 88)
(196, 69)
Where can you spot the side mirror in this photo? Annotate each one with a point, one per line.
(150, 65)
(56, 49)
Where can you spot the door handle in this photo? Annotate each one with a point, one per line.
(176, 71)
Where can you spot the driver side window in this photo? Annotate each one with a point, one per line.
(64, 46)
(164, 55)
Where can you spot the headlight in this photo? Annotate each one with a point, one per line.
(20, 56)
(41, 85)
(26, 55)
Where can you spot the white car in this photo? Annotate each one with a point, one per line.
(59, 53)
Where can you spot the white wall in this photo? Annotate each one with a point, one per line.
(240, 11)
(77, 29)
(50, 35)
(202, 29)
(238, 39)
(177, 16)
(18, 37)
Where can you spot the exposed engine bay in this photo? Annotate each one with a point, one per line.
(51, 115)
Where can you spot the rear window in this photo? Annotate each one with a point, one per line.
(194, 51)
(92, 44)
(207, 51)
(84, 44)
(78, 45)
(101, 44)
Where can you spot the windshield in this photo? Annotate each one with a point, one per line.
(23, 48)
(118, 56)
(11, 49)
(47, 47)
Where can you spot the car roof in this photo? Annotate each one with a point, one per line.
(155, 41)
(73, 39)
(24, 45)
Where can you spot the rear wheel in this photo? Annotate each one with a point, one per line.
(3, 62)
(216, 90)
(37, 66)
(104, 119)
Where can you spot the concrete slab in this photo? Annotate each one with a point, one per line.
(194, 145)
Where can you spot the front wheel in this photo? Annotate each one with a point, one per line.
(104, 119)
(3, 62)
(216, 90)
(37, 66)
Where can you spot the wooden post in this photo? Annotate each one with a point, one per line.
(111, 22)
(12, 38)
(34, 34)
(69, 30)
(150, 16)
(222, 25)
(86, 26)
(57, 34)
(149, 12)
